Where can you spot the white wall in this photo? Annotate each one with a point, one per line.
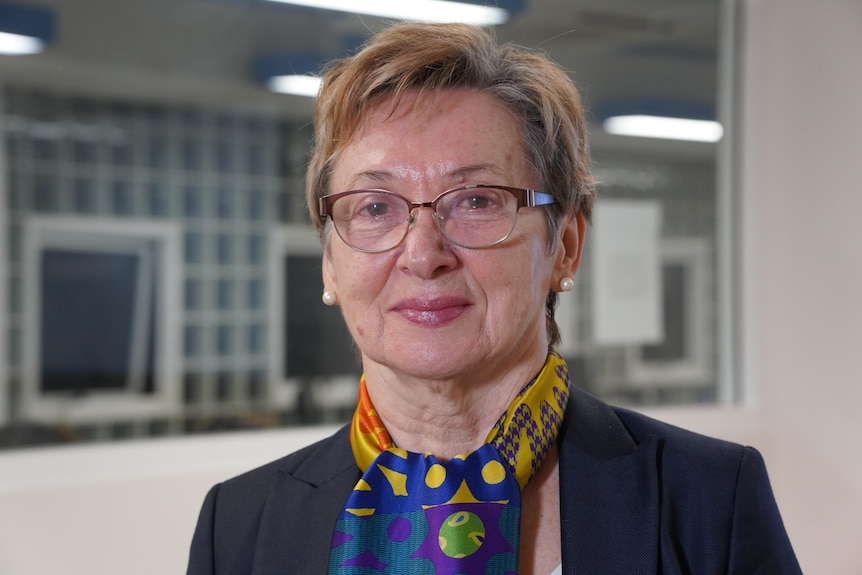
(121, 508)
(802, 225)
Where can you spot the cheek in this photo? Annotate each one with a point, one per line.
(512, 285)
(361, 279)
(534, 267)
(542, 267)
(366, 275)
(353, 271)
(526, 285)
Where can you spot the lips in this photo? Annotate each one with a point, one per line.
(431, 312)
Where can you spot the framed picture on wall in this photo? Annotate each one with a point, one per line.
(682, 357)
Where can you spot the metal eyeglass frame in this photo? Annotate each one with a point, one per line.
(527, 198)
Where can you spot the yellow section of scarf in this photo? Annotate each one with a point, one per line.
(522, 435)
(368, 435)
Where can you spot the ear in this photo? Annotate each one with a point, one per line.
(570, 247)
(329, 281)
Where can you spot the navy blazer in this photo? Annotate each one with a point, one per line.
(637, 497)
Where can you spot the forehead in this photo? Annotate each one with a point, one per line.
(420, 108)
(436, 131)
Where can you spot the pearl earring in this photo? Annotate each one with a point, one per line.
(329, 298)
(567, 284)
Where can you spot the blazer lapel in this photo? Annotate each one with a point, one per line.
(314, 494)
(609, 500)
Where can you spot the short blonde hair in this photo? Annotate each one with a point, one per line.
(429, 57)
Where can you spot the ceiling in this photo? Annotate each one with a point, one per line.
(202, 50)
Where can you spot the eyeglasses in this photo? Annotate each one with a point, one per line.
(476, 216)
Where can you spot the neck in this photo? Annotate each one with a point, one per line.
(446, 417)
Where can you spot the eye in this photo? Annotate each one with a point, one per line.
(472, 201)
(374, 206)
(475, 201)
(376, 209)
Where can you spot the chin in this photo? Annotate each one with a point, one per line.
(425, 360)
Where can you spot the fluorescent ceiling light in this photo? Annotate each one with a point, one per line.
(663, 127)
(421, 10)
(18, 45)
(296, 85)
(24, 29)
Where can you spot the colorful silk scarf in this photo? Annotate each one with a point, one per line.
(414, 514)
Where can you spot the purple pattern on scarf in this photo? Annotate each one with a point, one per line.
(539, 438)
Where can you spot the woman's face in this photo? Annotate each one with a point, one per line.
(428, 308)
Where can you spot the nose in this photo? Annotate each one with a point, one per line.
(426, 253)
(420, 221)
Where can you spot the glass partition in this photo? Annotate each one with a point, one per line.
(145, 137)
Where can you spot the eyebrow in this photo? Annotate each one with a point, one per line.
(373, 175)
(460, 173)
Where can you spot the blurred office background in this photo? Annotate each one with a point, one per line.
(159, 277)
(159, 270)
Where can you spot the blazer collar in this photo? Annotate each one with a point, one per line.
(331, 458)
(609, 492)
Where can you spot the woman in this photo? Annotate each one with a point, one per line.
(450, 185)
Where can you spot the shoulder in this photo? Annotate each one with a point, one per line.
(314, 463)
(707, 501)
(687, 460)
(241, 500)
(686, 442)
(242, 519)
(604, 432)
(683, 468)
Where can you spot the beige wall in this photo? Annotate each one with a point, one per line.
(802, 228)
(802, 231)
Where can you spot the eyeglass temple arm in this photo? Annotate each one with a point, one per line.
(535, 198)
